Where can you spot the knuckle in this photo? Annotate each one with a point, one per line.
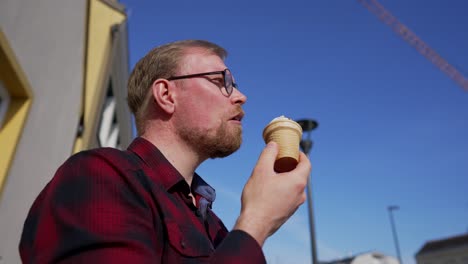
(303, 198)
(309, 166)
(300, 186)
(304, 182)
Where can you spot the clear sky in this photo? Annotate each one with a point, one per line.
(393, 129)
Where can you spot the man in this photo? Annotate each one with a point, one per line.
(147, 204)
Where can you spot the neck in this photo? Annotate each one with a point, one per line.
(179, 154)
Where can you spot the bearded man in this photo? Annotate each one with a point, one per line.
(147, 204)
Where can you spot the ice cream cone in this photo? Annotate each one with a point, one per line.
(287, 134)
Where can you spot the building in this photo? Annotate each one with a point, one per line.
(452, 250)
(365, 258)
(63, 74)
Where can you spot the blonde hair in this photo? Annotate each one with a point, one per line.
(161, 62)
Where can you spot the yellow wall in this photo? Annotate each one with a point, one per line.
(101, 19)
(19, 90)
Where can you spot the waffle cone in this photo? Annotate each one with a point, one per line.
(287, 134)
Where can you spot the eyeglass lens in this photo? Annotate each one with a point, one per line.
(228, 83)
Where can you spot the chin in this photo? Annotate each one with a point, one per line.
(222, 151)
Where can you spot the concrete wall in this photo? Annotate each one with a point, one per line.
(48, 39)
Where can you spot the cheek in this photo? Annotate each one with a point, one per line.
(201, 115)
(205, 110)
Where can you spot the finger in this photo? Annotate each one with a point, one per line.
(304, 163)
(268, 156)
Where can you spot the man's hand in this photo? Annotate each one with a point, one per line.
(270, 198)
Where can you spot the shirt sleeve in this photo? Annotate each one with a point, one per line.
(90, 212)
(238, 247)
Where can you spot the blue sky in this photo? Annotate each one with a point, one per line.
(392, 127)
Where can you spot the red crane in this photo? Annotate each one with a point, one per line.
(404, 32)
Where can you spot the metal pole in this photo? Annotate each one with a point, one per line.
(395, 237)
(311, 219)
(306, 145)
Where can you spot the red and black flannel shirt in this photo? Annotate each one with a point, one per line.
(112, 206)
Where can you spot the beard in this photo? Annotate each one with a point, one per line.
(218, 143)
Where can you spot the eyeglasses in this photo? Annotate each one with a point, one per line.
(229, 83)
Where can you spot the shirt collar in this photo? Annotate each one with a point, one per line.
(200, 187)
(166, 174)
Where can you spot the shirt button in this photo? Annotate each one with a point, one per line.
(182, 244)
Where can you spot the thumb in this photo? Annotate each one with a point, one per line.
(268, 156)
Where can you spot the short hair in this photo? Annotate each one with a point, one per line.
(160, 62)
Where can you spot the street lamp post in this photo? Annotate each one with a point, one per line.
(306, 145)
(395, 237)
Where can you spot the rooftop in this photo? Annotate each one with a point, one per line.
(445, 243)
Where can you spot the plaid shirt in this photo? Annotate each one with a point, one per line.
(112, 206)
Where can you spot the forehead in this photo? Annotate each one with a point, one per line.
(201, 60)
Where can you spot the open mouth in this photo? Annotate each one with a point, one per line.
(238, 117)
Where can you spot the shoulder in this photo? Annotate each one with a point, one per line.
(96, 167)
(103, 175)
(101, 158)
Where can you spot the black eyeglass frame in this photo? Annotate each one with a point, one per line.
(229, 88)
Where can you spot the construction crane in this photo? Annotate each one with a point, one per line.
(404, 32)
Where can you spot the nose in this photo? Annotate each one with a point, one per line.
(237, 97)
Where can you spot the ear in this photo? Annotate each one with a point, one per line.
(163, 95)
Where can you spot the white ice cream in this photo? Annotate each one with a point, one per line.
(279, 118)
